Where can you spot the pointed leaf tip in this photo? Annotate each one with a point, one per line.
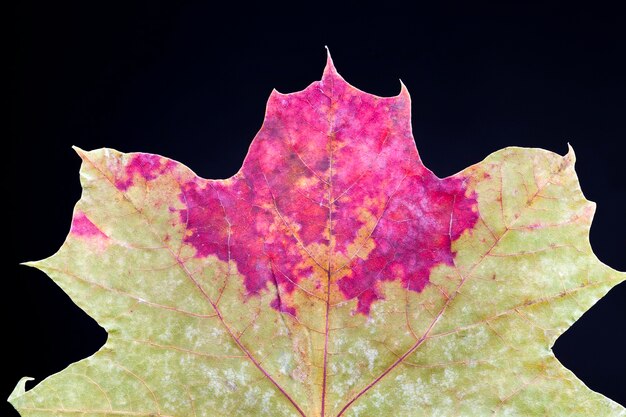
(32, 264)
(403, 90)
(330, 66)
(79, 151)
(570, 150)
(570, 156)
(20, 388)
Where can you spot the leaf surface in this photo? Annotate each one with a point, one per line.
(333, 275)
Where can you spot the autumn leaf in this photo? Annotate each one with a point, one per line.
(333, 275)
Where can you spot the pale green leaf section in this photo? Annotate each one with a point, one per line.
(185, 341)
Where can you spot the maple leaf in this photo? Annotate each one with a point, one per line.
(333, 275)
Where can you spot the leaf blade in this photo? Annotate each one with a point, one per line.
(332, 275)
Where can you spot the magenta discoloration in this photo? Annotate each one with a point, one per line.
(145, 165)
(332, 188)
(225, 221)
(414, 235)
(82, 226)
(279, 306)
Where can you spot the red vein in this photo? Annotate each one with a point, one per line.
(326, 333)
(330, 249)
(238, 342)
(229, 224)
(104, 393)
(517, 391)
(515, 309)
(396, 363)
(144, 383)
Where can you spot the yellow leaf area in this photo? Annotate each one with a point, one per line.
(189, 337)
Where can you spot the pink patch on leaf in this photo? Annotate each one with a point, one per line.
(145, 165)
(278, 305)
(82, 226)
(330, 162)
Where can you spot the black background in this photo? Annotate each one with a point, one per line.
(190, 82)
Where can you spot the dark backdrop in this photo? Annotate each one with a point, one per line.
(190, 82)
